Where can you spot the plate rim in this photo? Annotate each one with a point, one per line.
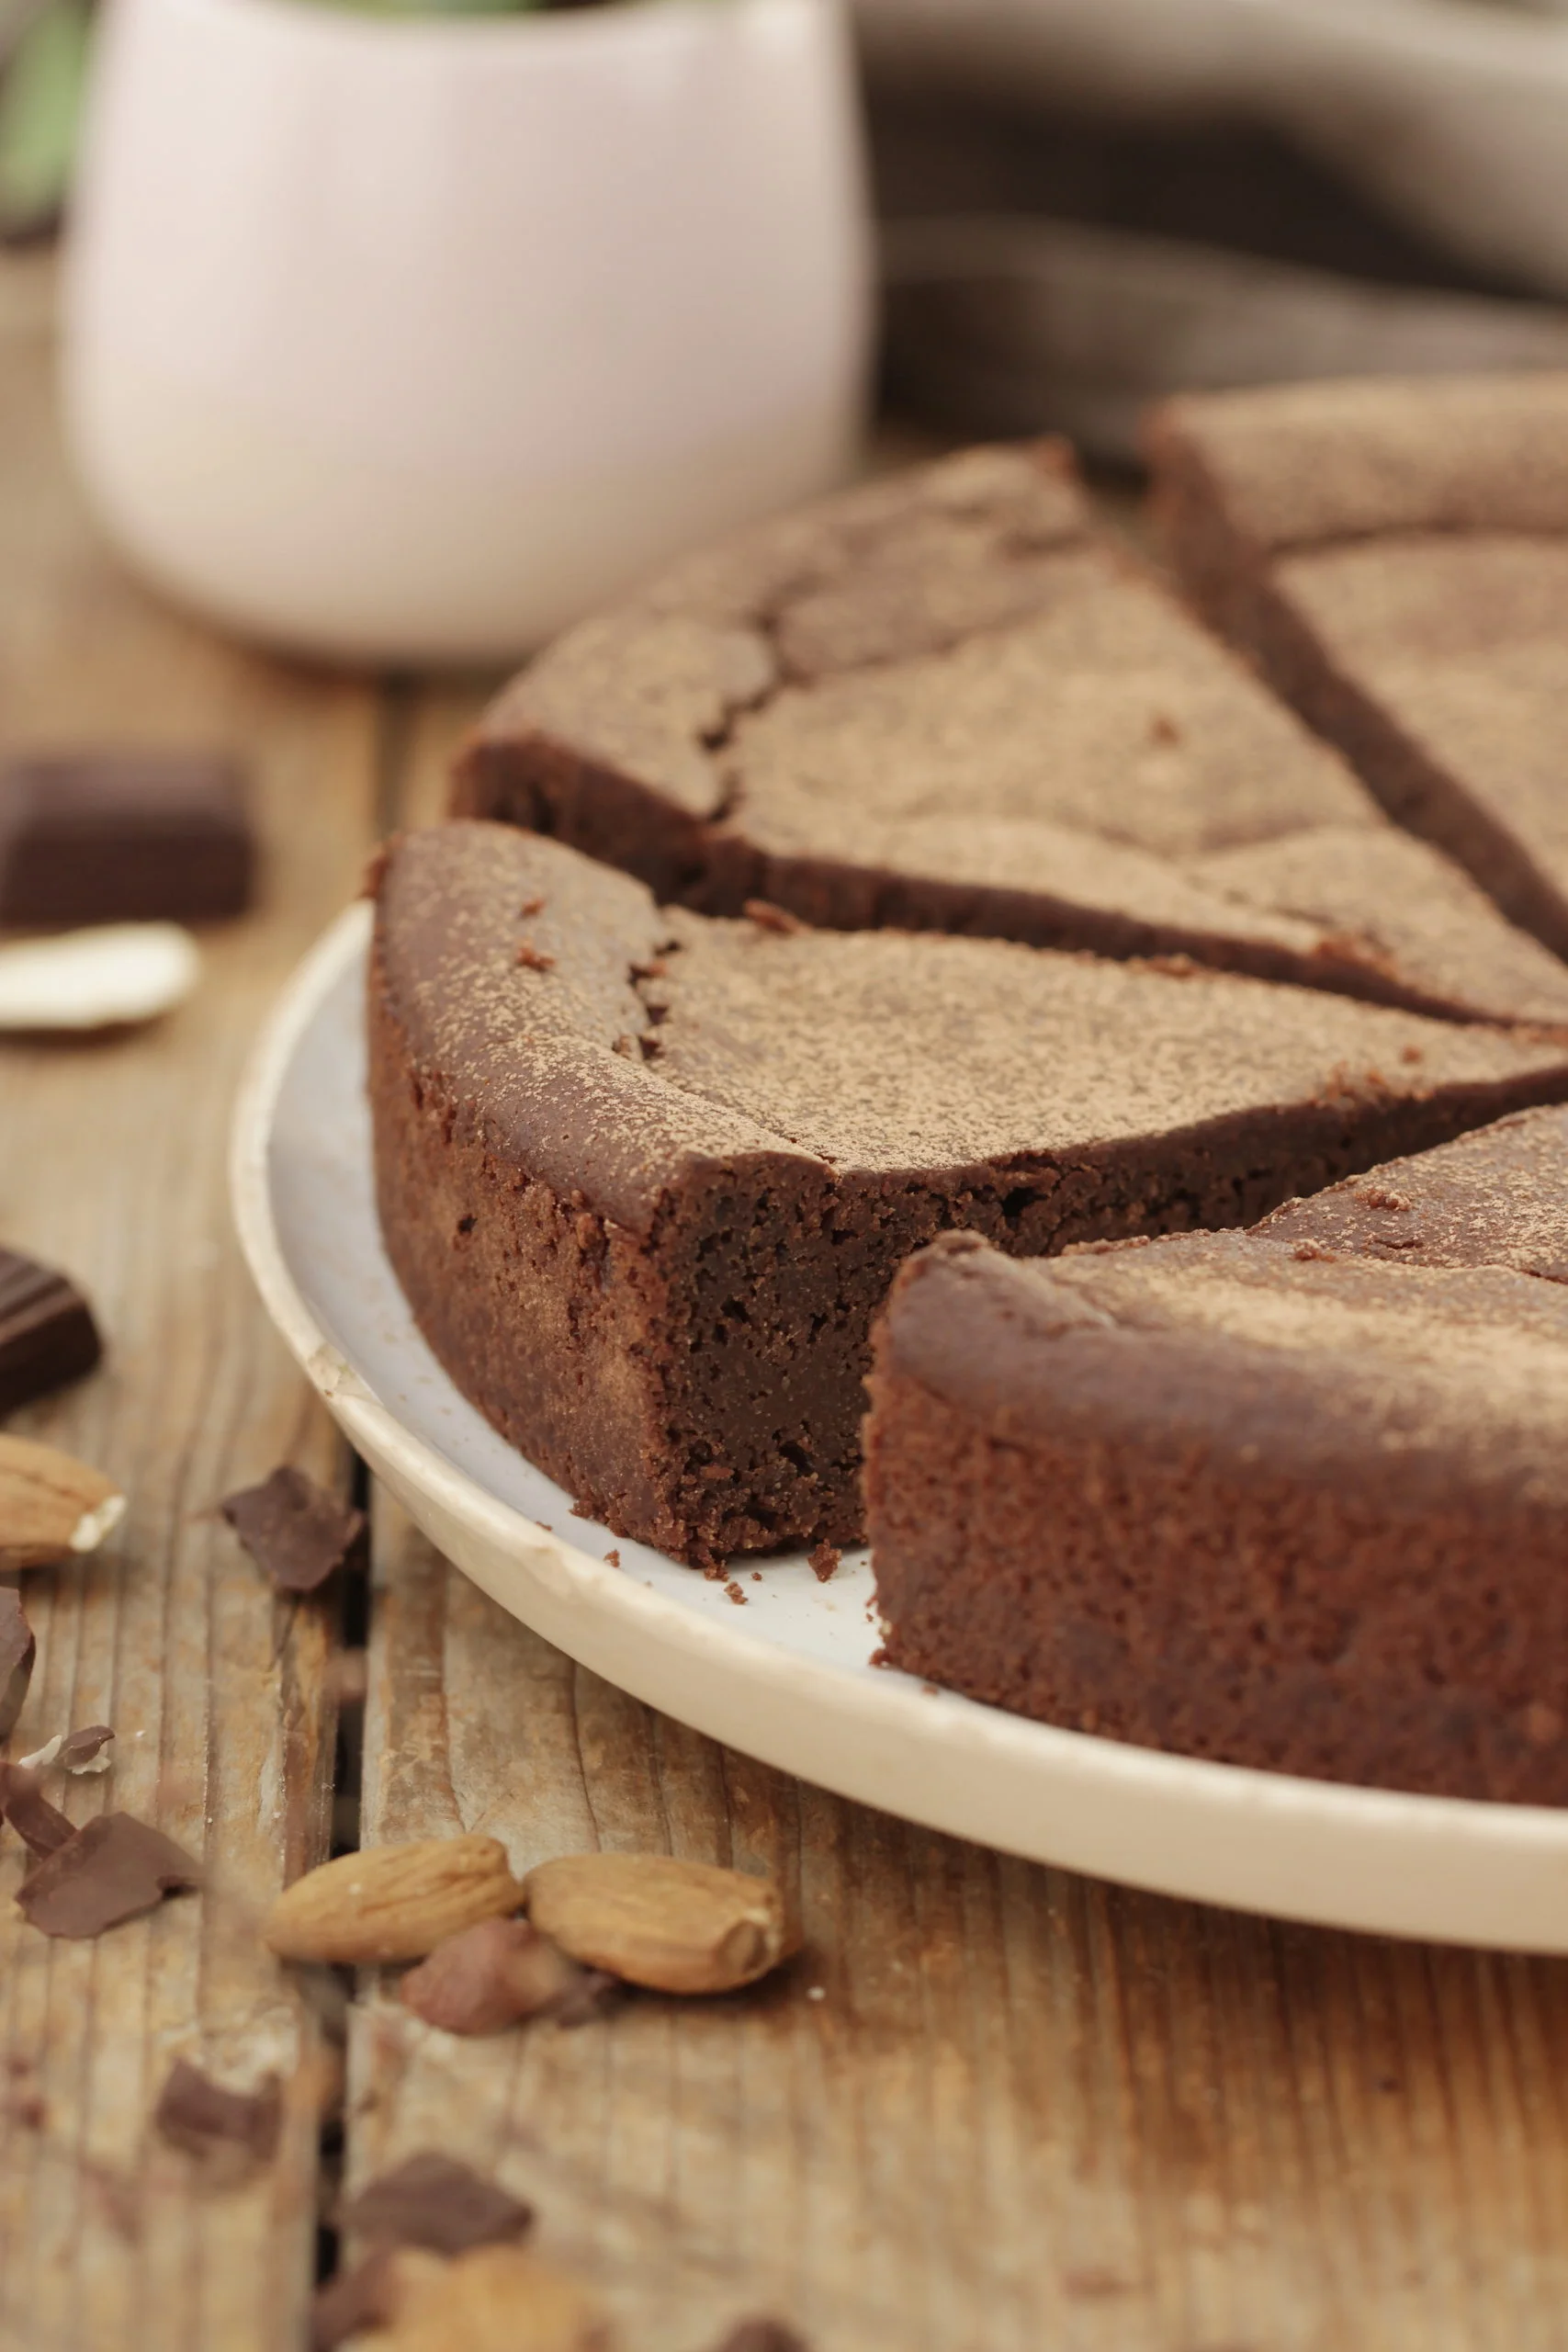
(1223, 1794)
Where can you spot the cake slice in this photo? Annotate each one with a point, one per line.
(946, 702)
(1294, 1498)
(646, 1175)
(1395, 556)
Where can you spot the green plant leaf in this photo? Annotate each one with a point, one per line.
(40, 101)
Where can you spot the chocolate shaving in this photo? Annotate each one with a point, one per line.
(488, 1977)
(114, 1869)
(17, 1649)
(81, 1751)
(353, 2302)
(198, 2114)
(295, 1531)
(437, 2202)
(41, 1827)
(73, 1752)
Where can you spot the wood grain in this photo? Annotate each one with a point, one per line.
(113, 1166)
(1022, 2110)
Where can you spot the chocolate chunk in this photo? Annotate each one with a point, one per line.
(41, 1827)
(353, 2302)
(762, 2336)
(16, 1651)
(198, 2114)
(296, 1533)
(131, 836)
(434, 2201)
(47, 1332)
(114, 1869)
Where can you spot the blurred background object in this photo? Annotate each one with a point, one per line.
(408, 338)
(43, 55)
(1089, 203)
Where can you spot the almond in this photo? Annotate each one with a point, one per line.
(676, 1926)
(495, 2299)
(392, 1902)
(52, 1507)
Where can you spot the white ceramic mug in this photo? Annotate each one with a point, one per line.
(409, 339)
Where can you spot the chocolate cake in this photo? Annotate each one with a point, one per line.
(946, 702)
(1292, 1497)
(1395, 555)
(646, 1175)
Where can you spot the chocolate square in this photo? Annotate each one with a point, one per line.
(124, 837)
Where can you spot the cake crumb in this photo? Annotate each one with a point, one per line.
(733, 1589)
(611, 1559)
(1377, 1197)
(1163, 728)
(756, 1576)
(535, 959)
(767, 917)
(824, 1559)
(532, 907)
(1306, 1252)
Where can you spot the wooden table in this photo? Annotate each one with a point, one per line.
(992, 2106)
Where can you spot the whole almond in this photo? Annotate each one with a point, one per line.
(52, 1507)
(676, 1926)
(495, 2299)
(392, 1902)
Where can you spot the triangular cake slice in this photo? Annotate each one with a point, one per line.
(1395, 555)
(946, 702)
(1294, 1498)
(646, 1175)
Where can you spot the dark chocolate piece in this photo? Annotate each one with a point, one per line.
(656, 1272)
(435, 2202)
(17, 1649)
(123, 836)
(947, 702)
(47, 1332)
(198, 2114)
(1292, 1497)
(1395, 556)
(41, 1827)
(353, 2302)
(113, 1868)
(295, 1531)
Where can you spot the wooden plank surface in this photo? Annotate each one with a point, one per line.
(992, 2106)
(113, 1166)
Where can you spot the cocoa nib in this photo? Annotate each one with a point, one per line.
(198, 2114)
(295, 1532)
(433, 2201)
(113, 1868)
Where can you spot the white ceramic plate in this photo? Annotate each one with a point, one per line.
(788, 1675)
